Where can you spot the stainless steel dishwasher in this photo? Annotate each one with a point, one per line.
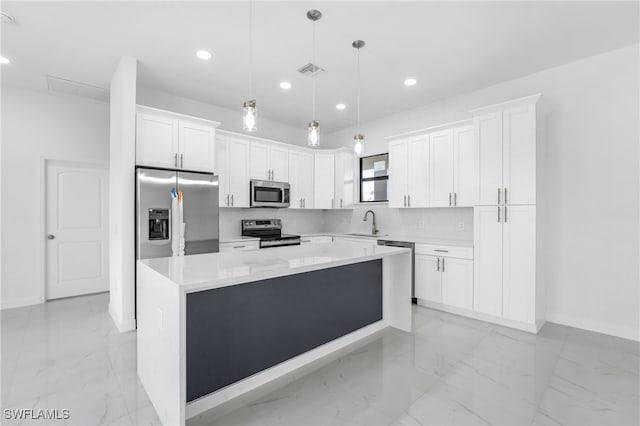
(411, 246)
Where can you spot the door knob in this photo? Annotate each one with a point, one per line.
(51, 237)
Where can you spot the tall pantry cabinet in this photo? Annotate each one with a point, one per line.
(505, 213)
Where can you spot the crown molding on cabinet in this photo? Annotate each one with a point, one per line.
(527, 100)
(459, 123)
(157, 111)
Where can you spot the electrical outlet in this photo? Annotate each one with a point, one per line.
(460, 226)
(421, 224)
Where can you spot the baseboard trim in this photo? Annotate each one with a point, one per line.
(530, 328)
(19, 303)
(616, 330)
(122, 326)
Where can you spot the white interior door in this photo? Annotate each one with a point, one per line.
(77, 229)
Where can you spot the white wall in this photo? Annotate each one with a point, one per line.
(122, 155)
(588, 182)
(230, 119)
(38, 126)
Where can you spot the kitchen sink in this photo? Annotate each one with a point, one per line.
(369, 235)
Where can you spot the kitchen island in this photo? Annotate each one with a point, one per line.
(214, 326)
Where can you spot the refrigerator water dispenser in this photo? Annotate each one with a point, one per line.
(158, 224)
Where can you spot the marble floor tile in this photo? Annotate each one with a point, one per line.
(449, 370)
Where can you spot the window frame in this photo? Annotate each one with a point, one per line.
(375, 178)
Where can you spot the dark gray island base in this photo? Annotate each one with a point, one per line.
(234, 332)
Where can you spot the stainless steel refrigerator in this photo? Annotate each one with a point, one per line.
(154, 212)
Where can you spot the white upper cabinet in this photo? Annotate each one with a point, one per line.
(156, 140)
(324, 181)
(269, 162)
(232, 166)
(464, 174)
(408, 172)
(301, 179)
(168, 140)
(519, 155)
(197, 148)
(344, 180)
(397, 174)
(441, 168)
(506, 152)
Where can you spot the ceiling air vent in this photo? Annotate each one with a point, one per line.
(310, 70)
(75, 88)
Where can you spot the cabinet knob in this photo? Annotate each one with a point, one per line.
(51, 237)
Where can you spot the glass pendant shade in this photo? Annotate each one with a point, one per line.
(358, 144)
(313, 134)
(249, 116)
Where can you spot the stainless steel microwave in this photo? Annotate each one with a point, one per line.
(265, 193)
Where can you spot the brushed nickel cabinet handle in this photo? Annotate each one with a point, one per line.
(175, 160)
(438, 267)
(441, 251)
(505, 198)
(181, 161)
(449, 199)
(340, 202)
(231, 200)
(498, 214)
(408, 200)
(498, 195)
(443, 264)
(455, 198)
(236, 247)
(405, 201)
(332, 202)
(505, 213)
(228, 199)
(304, 203)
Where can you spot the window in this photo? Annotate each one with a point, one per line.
(374, 178)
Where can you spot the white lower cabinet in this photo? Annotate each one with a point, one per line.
(444, 280)
(240, 246)
(505, 262)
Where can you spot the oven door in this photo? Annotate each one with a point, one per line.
(269, 194)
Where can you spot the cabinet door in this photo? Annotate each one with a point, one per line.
(196, 146)
(397, 174)
(457, 282)
(519, 153)
(279, 164)
(260, 161)
(344, 181)
(488, 134)
(324, 181)
(519, 263)
(297, 178)
(306, 175)
(464, 174)
(156, 141)
(222, 169)
(441, 168)
(238, 167)
(418, 171)
(428, 278)
(487, 260)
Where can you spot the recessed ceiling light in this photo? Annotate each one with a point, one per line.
(410, 82)
(4, 60)
(285, 85)
(340, 107)
(204, 55)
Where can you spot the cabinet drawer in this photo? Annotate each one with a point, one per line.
(445, 251)
(239, 246)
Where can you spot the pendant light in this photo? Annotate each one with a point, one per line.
(358, 139)
(249, 112)
(313, 132)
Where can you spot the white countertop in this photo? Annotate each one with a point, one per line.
(213, 270)
(238, 239)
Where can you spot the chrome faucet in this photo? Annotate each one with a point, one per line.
(374, 230)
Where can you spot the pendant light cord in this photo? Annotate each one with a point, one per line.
(358, 67)
(314, 74)
(250, 50)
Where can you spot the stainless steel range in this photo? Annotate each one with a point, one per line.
(270, 233)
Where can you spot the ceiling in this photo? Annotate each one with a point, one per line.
(449, 47)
